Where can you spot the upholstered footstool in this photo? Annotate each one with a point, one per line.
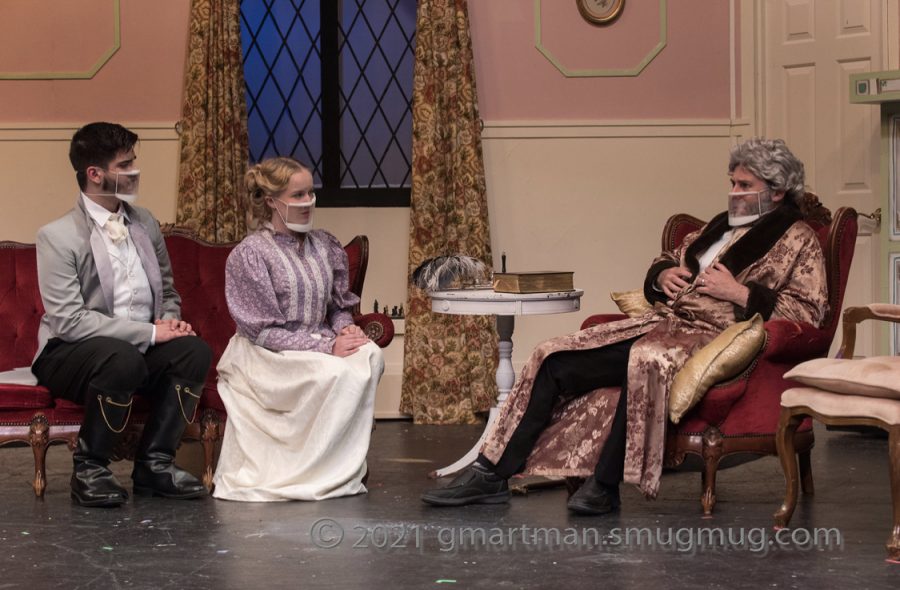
(839, 392)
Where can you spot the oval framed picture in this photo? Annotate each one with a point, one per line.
(600, 12)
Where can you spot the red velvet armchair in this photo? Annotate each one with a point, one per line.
(28, 414)
(740, 416)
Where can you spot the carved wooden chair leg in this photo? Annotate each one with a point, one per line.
(893, 544)
(39, 439)
(711, 454)
(806, 476)
(210, 432)
(784, 442)
(708, 499)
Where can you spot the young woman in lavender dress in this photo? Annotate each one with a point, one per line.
(298, 378)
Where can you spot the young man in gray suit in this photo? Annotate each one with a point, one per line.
(112, 326)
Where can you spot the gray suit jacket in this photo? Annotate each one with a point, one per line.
(76, 279)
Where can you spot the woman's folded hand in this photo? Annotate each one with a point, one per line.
(346, 344)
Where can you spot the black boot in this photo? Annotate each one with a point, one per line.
(93, 484)
(155, 472)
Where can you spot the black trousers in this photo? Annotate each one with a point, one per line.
(117, 368)
(566, 375)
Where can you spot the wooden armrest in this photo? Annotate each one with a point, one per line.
(876, 311)
(854, 315)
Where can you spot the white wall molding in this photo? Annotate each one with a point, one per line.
(732, 62)
(153, 131)
(614, 128)
(759, 66)
(91, 70)
(634, 70)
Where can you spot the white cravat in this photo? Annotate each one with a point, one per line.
(712, 252)
(132, 297)
(116, 230)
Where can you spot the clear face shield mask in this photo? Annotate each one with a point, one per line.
(747, 207)
(125, 187)
(299, 216)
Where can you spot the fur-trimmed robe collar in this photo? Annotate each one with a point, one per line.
(752, 246)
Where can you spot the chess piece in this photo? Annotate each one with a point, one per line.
(394, 312)
(385, 310)
(401, 312)
(376, 306)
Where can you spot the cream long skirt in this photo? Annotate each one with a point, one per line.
(299, 423)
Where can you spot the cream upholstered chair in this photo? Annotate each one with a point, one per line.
(845, 392)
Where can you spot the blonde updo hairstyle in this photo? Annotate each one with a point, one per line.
(267, 179)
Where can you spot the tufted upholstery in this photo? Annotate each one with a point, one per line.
(29, 414)
(199, 272)
(20, 305)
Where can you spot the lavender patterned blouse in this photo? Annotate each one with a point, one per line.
(285, 294)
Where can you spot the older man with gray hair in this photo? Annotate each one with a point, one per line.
(758, 256)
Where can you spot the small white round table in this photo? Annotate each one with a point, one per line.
(506, 306)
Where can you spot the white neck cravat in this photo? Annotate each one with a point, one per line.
(116, 229)
(713, 251)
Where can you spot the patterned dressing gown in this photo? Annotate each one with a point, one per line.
(779, 258)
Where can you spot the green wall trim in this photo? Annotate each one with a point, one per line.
(83, 75)
(863, 87)
(583, 73)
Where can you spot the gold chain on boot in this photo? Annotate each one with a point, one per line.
(110, 401)
(188, 391)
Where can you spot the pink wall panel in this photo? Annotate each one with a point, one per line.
(142, 82)
(688, 79)
(38, 35)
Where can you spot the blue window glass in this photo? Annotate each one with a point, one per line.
(330, 83)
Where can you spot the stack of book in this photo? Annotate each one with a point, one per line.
(541, 281)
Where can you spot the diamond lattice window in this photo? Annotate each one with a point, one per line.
(329, 82)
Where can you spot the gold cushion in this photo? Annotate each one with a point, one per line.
(877, 376)
(631, 303)
(726, 356)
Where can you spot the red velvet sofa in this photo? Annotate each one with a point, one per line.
(28, 414)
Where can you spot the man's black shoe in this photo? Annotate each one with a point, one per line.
(594, 498)
(474, 485)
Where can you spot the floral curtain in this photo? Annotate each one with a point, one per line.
(213, 128)
(449, 361)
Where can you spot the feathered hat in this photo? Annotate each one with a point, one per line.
(453, 271)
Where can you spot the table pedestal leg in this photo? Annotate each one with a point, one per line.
(506, 378)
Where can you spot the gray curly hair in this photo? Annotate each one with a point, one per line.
(771, 161)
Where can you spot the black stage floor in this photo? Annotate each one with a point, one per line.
(388, 538)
